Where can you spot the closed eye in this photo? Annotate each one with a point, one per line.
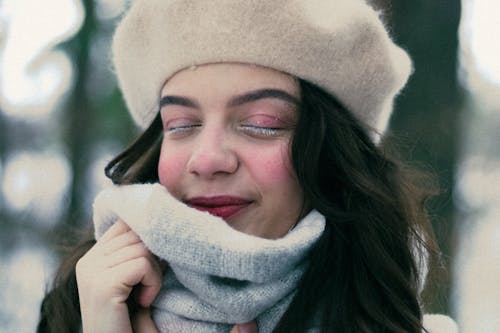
(183, 128)
(263, 125)
(181, 125)
(261, 131)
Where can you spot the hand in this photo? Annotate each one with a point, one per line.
(250, 327)
(116, 265)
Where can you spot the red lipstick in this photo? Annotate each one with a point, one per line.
(222, 206)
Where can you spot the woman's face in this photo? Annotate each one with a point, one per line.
(225, 149)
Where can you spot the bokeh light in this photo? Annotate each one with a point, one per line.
(477, 272)
(21, 288)
(474, 178)
(481, 25)
(479, 54)
(33, 76)
(37, 182)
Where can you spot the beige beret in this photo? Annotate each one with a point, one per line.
(340, 45)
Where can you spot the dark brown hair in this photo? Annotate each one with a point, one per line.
(363, 274)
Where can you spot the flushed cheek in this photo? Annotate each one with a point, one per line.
(170, 168)
(273, 168)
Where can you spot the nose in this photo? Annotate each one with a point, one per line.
(214, 155)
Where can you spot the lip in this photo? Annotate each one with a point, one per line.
(223, 206)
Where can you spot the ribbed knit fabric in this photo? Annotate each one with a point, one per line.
(219, 276)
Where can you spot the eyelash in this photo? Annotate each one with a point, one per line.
(254, 130)
(180, 129)
(263, 131)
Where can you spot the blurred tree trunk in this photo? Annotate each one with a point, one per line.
(429, 113)
(79, 119)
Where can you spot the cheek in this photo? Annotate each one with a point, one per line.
(274, 168)
(170, 168)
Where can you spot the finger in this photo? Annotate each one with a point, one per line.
(250, 327)
(119, 227)
(148, 289)
(140, 272)
(120, 241)
(127, 253)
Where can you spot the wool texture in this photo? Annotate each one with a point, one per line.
(217, 275)
(340, 45)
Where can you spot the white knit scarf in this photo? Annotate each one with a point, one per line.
(219, 276)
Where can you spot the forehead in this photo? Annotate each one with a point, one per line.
(231, 78)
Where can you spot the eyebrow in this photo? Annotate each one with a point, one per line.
(248, 97)
(177, 100)
(261, 94)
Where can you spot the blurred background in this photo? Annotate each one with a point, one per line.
(62, 119)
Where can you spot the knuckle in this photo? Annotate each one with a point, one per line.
(140, 264)
(143, 262)
(143, 250)
(132, 234)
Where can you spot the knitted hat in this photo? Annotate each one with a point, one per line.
(339, 45)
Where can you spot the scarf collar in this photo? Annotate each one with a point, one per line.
(218, 276)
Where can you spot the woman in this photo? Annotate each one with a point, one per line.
(261, 195)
